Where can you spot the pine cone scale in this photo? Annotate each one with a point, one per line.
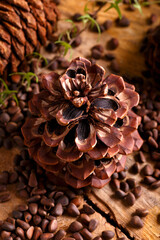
(17, 33)
(105, 171)
(82, 170)
(5, 35)
(115, 84)
(15, 61)
(52, 139)
(11, 17)
(99, 151)
(3, 64)
(99, 183)
(42, 34)
(28, 20)
(76, 183)
(18, 49)
(6, 7)
(69, 152)
(5, 49)
(104, 116)
(105, 103)
(39, 16)
(112, 151)
(86, 136)
(19, 3)
(46, 157)
(36, 3)
(126, 145)
(68, 114)
(109, 136)
(121, 160)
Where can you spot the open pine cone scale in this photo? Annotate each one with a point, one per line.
(84, 122)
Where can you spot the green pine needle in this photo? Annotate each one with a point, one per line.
(115, 5)
(26, 77)
(86, 9)
(40, 56)
(68, 33)
(138, 6)
(7, 93)
(66, 46)
(87, 18)
(150, 3)
(73, 28)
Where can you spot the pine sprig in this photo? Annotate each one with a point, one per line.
(73, 28)
(86, 18)
(67, 37)
(150, 3)
(66, 46)
(39, 56)
(26, 77)
(7, 93)
(86, 9)
(138, 6)
(115, 5)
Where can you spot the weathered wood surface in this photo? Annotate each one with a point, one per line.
(106, 201)
(131, 63)
(6, 163)
(130, 38)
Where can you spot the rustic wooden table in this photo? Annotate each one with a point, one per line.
(131, 63)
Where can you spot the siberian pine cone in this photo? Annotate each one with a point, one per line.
(82, 125)
(152, 52)
(25, 25)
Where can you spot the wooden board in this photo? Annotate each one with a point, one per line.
(105, 200)
(130, 38)
(6, 164)
(131, 63)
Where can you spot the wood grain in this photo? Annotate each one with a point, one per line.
(104, 198)
(130, 38)
(6, 163)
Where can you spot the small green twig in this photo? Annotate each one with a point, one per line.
(149, 3)
(88, 20)
(26, 77)
(40, 57)
(92, 22)
(7, 94)
(66, 46)
(115, 5)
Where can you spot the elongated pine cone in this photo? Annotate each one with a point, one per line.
(82, 126)
(25, 25)
(152, 52)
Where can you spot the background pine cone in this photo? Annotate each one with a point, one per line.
(152, 52)
(83, 125)
(25, 25)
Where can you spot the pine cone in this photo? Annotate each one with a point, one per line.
(25, 25)
(82, 125)
(152, 52)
